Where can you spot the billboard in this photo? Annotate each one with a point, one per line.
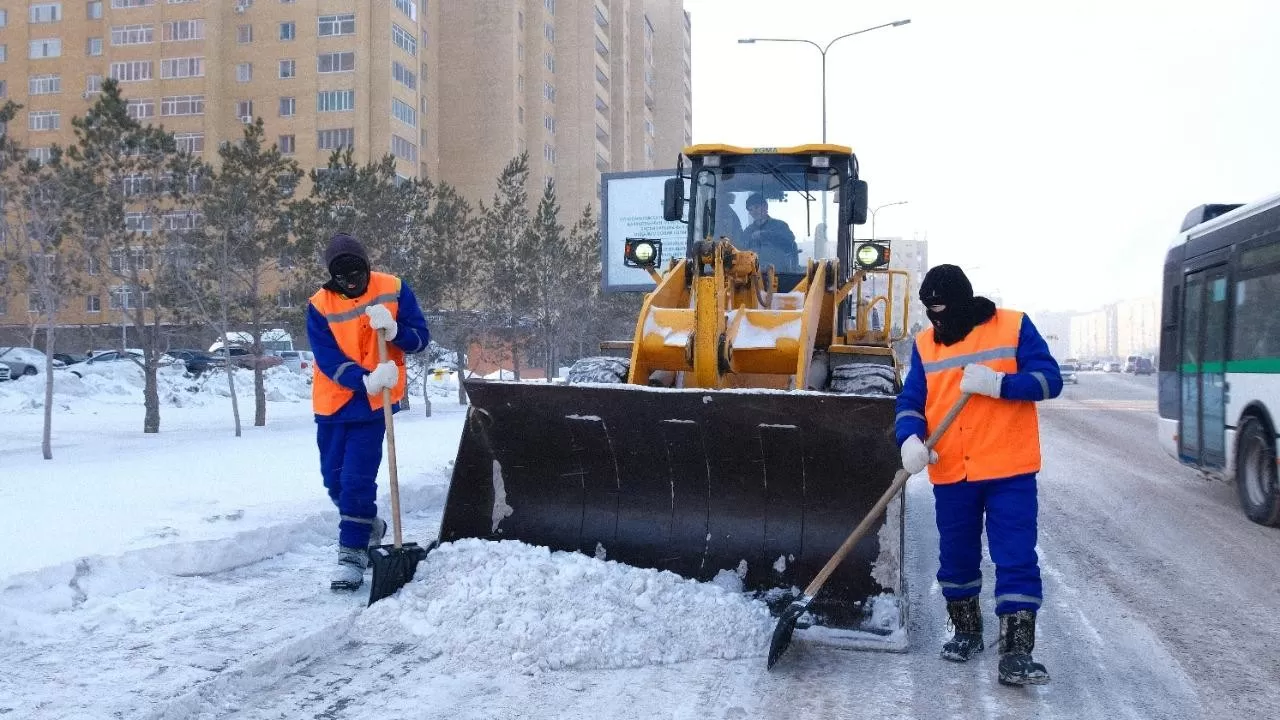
(631, 206)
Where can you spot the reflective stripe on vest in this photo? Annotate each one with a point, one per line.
(350, 326)
(992, 438)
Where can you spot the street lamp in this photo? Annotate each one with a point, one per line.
(873, 215)
(823, 52)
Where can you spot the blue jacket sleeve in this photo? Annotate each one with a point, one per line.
(910, 418)
(1038, 376)
(412, 334)
(329, 357)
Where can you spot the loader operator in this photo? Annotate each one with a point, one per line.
(986, 464)
(343, 318)
(770, 238)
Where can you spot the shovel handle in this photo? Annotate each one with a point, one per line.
(391, 445)
(874, 514)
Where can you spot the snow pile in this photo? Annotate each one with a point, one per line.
(483, 603)
(122, 384)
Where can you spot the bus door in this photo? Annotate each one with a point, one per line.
(1203, 367)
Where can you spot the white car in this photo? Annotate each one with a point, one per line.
(107, 360)
(299, 361)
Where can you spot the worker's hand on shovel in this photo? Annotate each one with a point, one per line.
(382, 378)
(915, 456)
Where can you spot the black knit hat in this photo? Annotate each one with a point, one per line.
(945, 285)
(344, 244)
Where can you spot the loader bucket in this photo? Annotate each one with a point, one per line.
(764, 483)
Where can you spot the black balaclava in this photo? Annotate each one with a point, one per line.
(346, 258)
(947, 285)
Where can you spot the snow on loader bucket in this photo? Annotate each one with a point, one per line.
(767, 483)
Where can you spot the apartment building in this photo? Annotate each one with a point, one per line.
(322, 74)
(584, 86)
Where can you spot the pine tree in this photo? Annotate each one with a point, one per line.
(549, 273)
(504, 232)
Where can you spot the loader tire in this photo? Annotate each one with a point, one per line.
(601, 369)
(864, 379)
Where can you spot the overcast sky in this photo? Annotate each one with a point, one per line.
(1053, 148)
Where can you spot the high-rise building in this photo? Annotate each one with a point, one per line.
(322, 75)
(911, 255)
(583, 86)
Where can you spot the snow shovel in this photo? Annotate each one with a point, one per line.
(787, 622)
(395, 564)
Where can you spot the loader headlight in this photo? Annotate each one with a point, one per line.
(642, 252)
(871, 255)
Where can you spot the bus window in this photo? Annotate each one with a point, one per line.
(1257, 324)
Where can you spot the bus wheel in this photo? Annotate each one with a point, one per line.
(1256, 473)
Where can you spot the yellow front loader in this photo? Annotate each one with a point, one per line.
(747, 426)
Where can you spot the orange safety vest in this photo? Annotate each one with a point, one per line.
(992, 437)
(357, 340)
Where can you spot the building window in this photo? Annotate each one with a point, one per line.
(286, 144)
(181, 68)
(549, 91)
(520, 51)
(288, 69)
(549, 154)
(137, 222)
(244, 34)
(94, 47)
(46, 13)
(404, 75)
(94, 10)
(288, 106)
(92, 266)
(133, 34)
(520, 83)
(404, 112)
(404, 39)
(602, 106)
(179, 30)
(403, 149)
(134, 71)
(4, 53)
(336, 62)
(601, 49)
(244, 72)
(183, 105)
(244, 111)
(93, 303)
(520, 19)
(408, 7)
(335, 100)
(143, 108)
(40, 154)
(520, 114)
(601, 20)
(44, 84)
(550, 61)
(549, 123)
(4, 92)
(334, 139)
(126, 4)
(288, 31)
(93, 84)
(335, 25)
(602, 78)
(191, 143)
(47, 48)
(42, 120)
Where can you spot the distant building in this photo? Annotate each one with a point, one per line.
(912, 256)
(1117, 330)
(1055, 327)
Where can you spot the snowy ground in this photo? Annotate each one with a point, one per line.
(184, 575)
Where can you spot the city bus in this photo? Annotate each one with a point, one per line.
(1219, 365)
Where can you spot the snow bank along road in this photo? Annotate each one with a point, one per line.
(1161, 602)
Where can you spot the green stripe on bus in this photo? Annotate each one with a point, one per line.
(1256, 365)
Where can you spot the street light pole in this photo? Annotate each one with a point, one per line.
(877, 209)
(822, 51)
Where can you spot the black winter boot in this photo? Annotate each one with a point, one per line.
(1017, 640)
(966, 618)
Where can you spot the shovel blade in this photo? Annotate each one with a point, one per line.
(393, 568)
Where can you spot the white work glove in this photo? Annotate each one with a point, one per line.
(383, 377)
(981, 380)
(915, 456)
(380, 319)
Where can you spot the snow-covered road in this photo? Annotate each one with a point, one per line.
(1161, 602)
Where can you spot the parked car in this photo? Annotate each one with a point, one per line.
(1068, 372)
(299, 361)
(70, 358)
(242, 357)
(1113, 367)
(26, 361)
(1143, 367)
(104, 361)
(196, 361)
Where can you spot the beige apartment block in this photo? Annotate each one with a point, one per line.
(584, 86)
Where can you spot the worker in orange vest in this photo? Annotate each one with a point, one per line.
(343, 318)
(986, 463)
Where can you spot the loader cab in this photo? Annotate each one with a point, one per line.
(713, 192)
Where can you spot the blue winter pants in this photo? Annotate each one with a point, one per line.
(1010, 509)
(350, 454)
